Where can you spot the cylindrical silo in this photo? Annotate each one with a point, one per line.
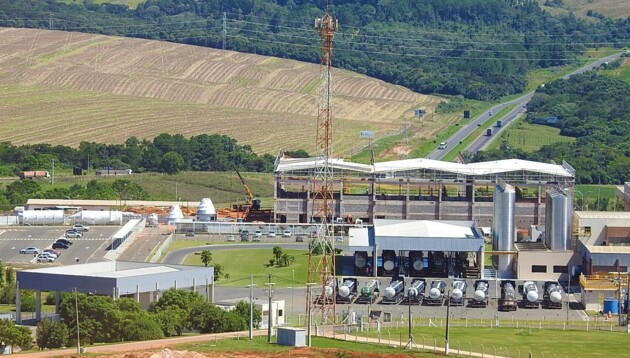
(503, 219)
(558, 215)
(97, 217)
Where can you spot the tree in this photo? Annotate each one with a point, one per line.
(182, 299)
(206, 257)
(51, 334)
(218, 271)
(277, 253)
(242, 309)
(172, 320)
(13, 335)
(287, 259)
(171, 163)
(141, 327)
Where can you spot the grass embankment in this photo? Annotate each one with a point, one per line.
(240, 264)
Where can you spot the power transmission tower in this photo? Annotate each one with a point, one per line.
(321, 268)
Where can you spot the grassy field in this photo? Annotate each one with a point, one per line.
(623, 72)
(321, 347)
(616, 9)
(529, 137)
(95, 88)
(550, 342)
(243, 263)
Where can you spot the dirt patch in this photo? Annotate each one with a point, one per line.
(295, 353)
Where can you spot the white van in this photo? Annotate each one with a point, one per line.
(442, 145)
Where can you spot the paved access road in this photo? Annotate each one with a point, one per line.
(463, 133)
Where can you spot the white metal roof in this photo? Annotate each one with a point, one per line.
(423, 228)
(481, 168)
(112, 203)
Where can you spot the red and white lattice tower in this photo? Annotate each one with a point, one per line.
(321, 267)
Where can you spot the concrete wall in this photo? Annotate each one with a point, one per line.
(548, 259)
(595, 223)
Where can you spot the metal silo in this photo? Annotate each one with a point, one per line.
(206, 210)
(175, 214)
(503, 219)
(558, 213)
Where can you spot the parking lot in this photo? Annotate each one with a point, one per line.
(91, 247)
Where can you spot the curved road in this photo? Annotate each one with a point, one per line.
(520, 102)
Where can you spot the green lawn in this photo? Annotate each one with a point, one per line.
(240, 264)
(529, 137)
(550, 342)
(260, 345)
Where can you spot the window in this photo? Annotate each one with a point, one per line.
(539, 268)
(560, 269)
(279, 313)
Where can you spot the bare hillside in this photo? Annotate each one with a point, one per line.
(64, 88)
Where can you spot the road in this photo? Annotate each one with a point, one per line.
(463, 133)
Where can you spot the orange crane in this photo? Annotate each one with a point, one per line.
(253, 204)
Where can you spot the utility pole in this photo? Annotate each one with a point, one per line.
(76, 308)
(448, 314)
(224, 32)
(309, 316)
(52, 178)
(269, 317)
(251, 306)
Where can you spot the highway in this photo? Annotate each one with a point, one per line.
(520, 102)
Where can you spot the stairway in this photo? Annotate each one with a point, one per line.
(489, 272)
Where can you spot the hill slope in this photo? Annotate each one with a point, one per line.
(63, 88)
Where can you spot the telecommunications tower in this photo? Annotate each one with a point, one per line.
(321, 260)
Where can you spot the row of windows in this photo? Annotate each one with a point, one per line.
(543, 269)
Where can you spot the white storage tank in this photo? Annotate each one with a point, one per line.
(206, 210)
(152, 220)
(503, 225)
(97, 217)
(41, 217)
(175, 214)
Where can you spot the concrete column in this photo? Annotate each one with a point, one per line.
(194, 285)
(207, 291)
(480, 259)
(157, 292)
(374, 256)
(38, 305)
(137, 295)
(175, 284)
(18, 304)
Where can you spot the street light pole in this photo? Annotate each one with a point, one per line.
(251, 307)
(76, 307)
(292, 289)
(448, 314)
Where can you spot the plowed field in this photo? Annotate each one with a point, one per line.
(63, 88)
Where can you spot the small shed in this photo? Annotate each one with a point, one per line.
(289, 336)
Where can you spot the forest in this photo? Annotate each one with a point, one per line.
(595, 110)
(480, 49)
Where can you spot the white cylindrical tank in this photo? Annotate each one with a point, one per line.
(456, 293)
(42, 217)
(344, 291)
(328, 291)
(96, 217)
(434, 293)
(479, 295)
(555, 297)
(153, 219)
(388, 265)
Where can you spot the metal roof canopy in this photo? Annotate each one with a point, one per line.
(123, 276)
(428, 235)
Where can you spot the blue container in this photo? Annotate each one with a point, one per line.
(611, 305)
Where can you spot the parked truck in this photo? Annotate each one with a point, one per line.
(34, 174)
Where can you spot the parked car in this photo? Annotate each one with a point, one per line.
(29, 250)
(53, 251)
(64, 241)
(74, 234)
(286, 233)
(60, 245)
(231, 238)
(44, 258)
(48, 253)
(299, 238)
(190, 233)
(271, 234)
(80, 227)
(339, 238)
(257, 235)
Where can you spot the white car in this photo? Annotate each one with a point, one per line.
(45, 258)
(80, 227)
(286, 233)
(271, 234)
(231, 238)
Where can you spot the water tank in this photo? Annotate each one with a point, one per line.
(175, 214)
(42, 217)
(503, 219)
(611, 305)
(97, 217)
(206, 210)
(153, 219)
(558, 214)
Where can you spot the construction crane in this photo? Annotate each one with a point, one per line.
(253, 203)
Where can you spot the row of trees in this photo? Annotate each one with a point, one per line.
(103, 319)
(166, 153)
(480, 49)
(593, 109)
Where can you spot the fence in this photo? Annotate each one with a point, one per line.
(157, 254)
